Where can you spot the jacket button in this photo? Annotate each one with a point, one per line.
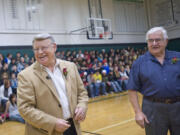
(59, 105)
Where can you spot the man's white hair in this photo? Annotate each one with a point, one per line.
(43, 36)
(155, 29)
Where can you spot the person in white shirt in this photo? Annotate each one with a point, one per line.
(124, 77)
(5, 92)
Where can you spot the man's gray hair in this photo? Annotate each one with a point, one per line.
(43, 36)
(155, 29)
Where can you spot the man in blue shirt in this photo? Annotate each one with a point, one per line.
(156, 75)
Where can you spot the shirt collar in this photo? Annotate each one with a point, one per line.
(151, 57)
(55, 66)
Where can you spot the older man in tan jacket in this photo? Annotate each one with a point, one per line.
(51, 95)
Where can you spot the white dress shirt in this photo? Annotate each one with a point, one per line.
(2, 93)
(59, 84)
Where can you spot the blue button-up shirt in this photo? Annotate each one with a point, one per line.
(151, 78)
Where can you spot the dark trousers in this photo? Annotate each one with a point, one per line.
(162, 117)
(71, 130)
(3, 103)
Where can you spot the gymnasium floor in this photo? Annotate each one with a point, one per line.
(107, 115)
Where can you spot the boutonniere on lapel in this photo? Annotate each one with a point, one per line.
(65, 72)
(174, 60)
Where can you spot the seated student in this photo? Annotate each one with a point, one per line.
(117, 76)
(5, 92)
(124, 78)
(14, 83)
(113, 82)
(127, 69)
(91, 84)
(98, 83)
(12, 110)
(83, 76)
(105, 66)
(14, 70)
(3, 76)
(26, 58)
(21, 65)
(105, 81)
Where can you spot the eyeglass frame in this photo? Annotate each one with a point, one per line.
(157, 40)
(44, 48)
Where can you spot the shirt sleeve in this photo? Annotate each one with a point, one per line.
(134, 80)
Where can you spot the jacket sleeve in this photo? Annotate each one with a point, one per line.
(26, 101)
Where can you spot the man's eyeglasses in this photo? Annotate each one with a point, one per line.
(45, 48)
(157, 40)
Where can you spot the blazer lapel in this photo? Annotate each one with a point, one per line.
(43, 75)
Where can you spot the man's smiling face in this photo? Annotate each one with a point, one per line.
(44, 51)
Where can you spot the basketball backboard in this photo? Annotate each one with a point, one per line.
(98, 28)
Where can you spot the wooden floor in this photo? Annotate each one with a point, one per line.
(107, 115)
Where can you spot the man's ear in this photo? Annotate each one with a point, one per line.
(55, 46)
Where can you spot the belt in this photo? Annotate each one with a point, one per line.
(163, 100)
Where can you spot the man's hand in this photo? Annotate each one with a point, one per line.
(80, 114)
(140, 118)
(61, 125)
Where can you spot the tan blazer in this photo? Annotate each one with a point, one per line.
(38, 100)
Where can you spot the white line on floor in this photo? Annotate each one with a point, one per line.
(110, 126)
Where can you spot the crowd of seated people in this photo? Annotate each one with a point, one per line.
(11, 110)
(102, 72)
(9, 68)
